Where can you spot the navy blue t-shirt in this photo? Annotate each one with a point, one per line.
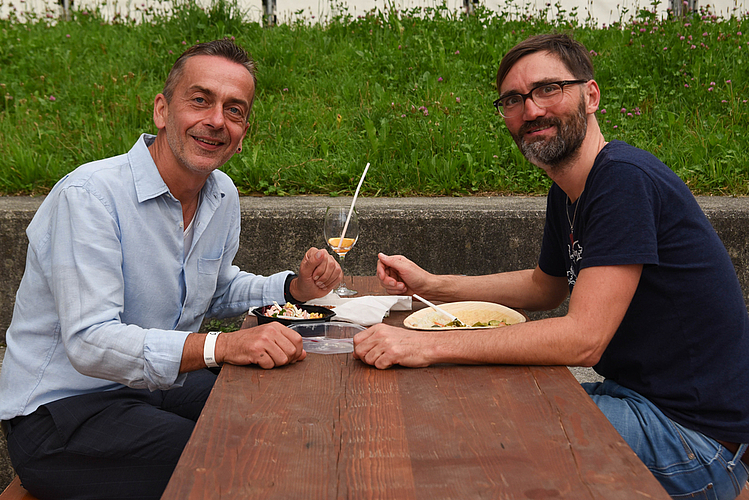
(684, 341)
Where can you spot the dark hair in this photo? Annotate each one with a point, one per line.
(222, 48)
(573, 55)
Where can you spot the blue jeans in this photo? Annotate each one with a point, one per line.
(687, 463)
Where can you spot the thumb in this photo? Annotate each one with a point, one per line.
(314, 255)
(386, 259)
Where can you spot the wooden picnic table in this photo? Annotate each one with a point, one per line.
(332, 427)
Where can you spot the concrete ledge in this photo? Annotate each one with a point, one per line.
(443, 235)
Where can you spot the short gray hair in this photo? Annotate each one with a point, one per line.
(225, 48)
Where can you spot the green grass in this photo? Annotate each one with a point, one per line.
(410, 92)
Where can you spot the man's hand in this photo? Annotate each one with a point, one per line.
(384, 346)
(267, 346)
(400, 276)
(318, 274)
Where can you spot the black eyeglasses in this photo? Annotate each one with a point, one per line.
(544, 95)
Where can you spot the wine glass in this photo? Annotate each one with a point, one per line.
(335, 220)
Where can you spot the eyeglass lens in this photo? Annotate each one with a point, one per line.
(544, 97)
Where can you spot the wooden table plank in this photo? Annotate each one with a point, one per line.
(331, 427)
(375, 457)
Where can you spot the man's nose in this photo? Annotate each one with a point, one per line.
(531, 110)
(215, 117)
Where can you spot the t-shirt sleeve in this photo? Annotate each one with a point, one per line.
(620, 217)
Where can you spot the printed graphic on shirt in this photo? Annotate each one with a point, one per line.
(575, 251)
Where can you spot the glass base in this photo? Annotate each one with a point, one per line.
(344, 291)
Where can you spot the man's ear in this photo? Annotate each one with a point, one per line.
(593, 94)
(159, 111)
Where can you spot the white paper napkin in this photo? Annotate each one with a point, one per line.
(365, 311)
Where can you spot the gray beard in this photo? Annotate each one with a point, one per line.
(561, 149)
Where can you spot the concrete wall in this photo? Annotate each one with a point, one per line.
(443, 235)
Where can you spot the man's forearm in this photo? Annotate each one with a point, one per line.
(526, 289)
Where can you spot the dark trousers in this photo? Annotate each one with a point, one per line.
(116, 444)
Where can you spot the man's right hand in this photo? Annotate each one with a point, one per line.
(400, 276)
(267, 346)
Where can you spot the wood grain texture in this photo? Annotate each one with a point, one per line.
(15, 491)
(331, 427)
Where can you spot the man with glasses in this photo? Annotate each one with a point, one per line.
(654, 302)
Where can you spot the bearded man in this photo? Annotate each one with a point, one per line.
(626, 241)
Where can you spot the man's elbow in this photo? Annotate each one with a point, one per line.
(590, 355)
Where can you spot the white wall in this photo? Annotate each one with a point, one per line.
(604, 11)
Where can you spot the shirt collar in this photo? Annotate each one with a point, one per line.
(146, 176)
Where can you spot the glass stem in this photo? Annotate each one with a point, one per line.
(340, 263)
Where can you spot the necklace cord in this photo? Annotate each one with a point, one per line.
(574, 215)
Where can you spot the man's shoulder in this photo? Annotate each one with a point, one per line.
(621, 151)
(112, 170)
(622, 160)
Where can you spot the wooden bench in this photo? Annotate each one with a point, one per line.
(743, 496)
(15, 491)
(744, 493)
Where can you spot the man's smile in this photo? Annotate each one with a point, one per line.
(537, 127)
(207, 141)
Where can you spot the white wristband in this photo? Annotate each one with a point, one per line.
(209, 349)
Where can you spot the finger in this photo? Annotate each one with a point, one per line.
(279, 346)
(291, 343)
(317, 258)
(325, 270)
(310, 260)
(361, 344)
(383, 362)
(377, 358)
(330, 274)
(265, 360)
(277, 355)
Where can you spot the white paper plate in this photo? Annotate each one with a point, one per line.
(468, 312)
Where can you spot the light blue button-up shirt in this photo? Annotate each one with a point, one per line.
(110, 294)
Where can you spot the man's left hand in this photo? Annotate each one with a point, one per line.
(383, 346)
(318, 274)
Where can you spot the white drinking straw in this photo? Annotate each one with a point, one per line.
(348, 218)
